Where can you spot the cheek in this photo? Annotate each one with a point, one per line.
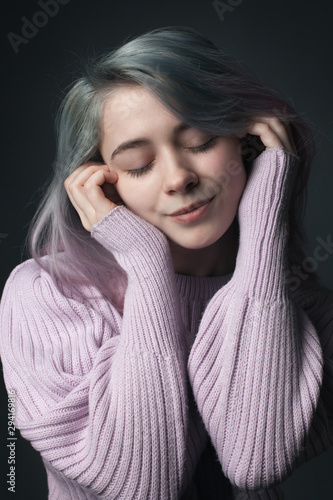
(226, 166)
(127, 194)
(231, 179)
(135, 195)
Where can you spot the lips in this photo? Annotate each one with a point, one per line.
(191, 207)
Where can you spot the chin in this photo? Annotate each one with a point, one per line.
(197, 243)
(205, 236)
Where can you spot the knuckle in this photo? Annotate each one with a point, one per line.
(89, 185)
(70, 187)
(67, 181)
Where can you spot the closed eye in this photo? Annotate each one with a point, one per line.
(137, 172)
(204, 147)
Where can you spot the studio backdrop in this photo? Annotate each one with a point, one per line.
(45, 42)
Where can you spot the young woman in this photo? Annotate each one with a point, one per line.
(158, 345)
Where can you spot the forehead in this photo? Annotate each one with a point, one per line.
(133, 117)
(133, 102)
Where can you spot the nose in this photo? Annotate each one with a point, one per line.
(179, 176)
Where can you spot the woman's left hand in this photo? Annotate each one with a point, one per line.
(273, 133)
(270, 178)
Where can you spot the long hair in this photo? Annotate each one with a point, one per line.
(199, 84)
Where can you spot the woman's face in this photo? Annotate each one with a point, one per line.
(164, 167)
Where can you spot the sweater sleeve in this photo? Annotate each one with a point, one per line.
(103, 399)
(256, 366)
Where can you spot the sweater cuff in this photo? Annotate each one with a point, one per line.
(263, 221)
(135, 243)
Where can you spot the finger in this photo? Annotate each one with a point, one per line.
(262, 130)
(82, 212)
(82, 173)
(94, 192)
(281, 128)
(75, 183)
(74, 175)
(80, 187)
(83, 207)
(74, 186)
(99, 205)
(272, 132)
(268, 136)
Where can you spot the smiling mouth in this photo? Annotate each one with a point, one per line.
(191, 207)
(193, 213)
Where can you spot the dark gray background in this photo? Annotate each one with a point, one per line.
(287, 43)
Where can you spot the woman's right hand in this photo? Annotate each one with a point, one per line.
(91, 189)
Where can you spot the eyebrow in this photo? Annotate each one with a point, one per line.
(142, 141)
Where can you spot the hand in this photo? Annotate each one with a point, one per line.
(273, 133)
(92, 192)
(269, 182)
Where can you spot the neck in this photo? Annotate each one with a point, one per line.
(217, 259)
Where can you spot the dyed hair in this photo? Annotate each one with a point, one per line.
(203, 87)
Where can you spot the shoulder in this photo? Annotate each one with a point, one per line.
(24, 269)
(31, 282)
(21, 281)
(34, 300)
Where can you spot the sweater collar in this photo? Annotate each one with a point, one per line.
(200, 287)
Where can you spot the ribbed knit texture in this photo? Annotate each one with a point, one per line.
(201, 380)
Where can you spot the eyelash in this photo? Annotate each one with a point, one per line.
(204, 147)
(195, 150)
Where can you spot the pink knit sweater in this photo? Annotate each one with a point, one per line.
(201, 382)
